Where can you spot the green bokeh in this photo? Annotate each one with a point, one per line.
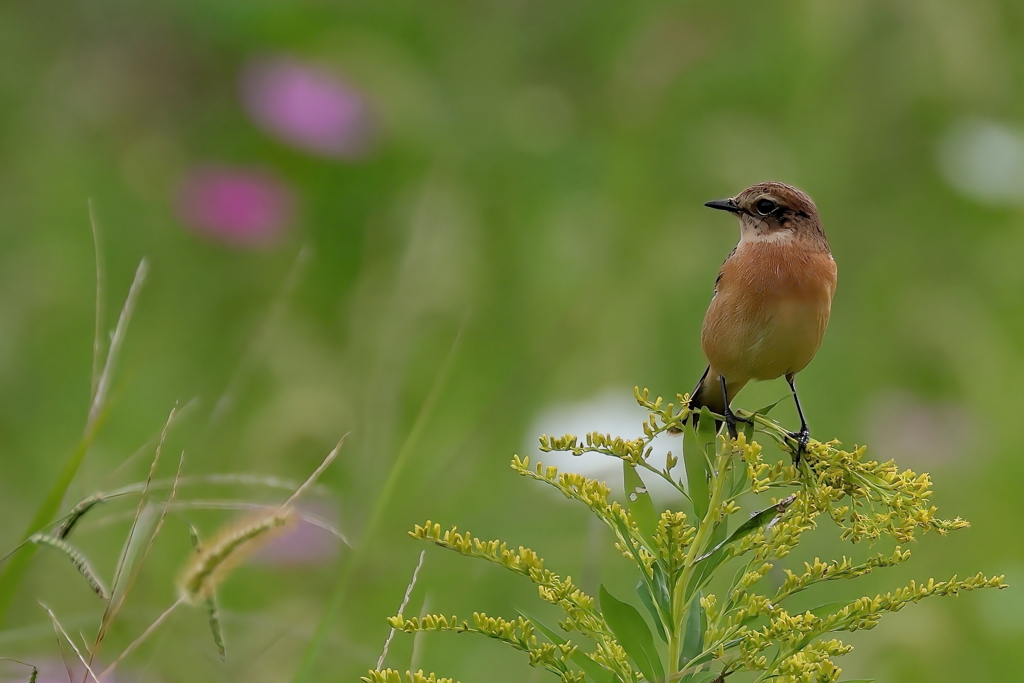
(534, 191)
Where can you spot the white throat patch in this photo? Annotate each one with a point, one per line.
(753, 234)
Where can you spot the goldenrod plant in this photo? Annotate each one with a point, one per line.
(711, 610)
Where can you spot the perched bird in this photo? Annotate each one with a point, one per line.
(772, 299)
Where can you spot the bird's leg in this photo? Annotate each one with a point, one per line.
(804, 435)
(730, 417)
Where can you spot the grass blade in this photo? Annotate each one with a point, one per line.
(15, 569)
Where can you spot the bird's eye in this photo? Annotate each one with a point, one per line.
(765, 206)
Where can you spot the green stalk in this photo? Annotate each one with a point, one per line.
(675, 646)
(680, 607)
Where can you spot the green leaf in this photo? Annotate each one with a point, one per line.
(639, 501)
(748, 430)
(645, 597)
(660, 589)
(704, 569)
(696, 472)
(768, 408)
(767, 518)
(693, 636)
(707, 435)
(626, 537)
(699, 677)
(651, 586)
(702, 574)
(737, 476)
(700, 662)
(858, 680)
(633, 634)
(720, 532)
(740, 573)
(707, 563)
(592, 669)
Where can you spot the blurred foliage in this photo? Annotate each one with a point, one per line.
(530, 208)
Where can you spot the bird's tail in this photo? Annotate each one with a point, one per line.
(708, 393)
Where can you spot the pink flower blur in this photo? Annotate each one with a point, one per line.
(302, 543)
(307, 107)
(237, 206)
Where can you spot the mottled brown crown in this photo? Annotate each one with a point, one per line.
(789, 200)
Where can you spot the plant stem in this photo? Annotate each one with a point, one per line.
(680, 605)
(675, 646)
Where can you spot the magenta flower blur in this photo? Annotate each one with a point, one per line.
(307, 107)
(240, 207)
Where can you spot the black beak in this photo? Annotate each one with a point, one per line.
(724, 205)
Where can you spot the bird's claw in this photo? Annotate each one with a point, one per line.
(731, 419)
(802, 438)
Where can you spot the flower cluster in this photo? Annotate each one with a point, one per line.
(580, 610)
(677, 553)
(520, 634)
(392, 676)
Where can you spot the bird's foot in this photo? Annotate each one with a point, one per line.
(802, 438)
(731, 419)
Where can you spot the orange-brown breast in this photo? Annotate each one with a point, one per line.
(770, 310)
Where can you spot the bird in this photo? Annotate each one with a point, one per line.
(772, 300)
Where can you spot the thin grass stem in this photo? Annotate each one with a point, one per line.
(224, 403)
(380, 506)
(142, 638)
(97, 341)
(115, 604)
(57, 626)
(401, 608)
(15, 569)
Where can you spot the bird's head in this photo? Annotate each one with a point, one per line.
(774, 212)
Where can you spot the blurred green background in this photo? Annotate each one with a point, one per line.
(492, 217)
